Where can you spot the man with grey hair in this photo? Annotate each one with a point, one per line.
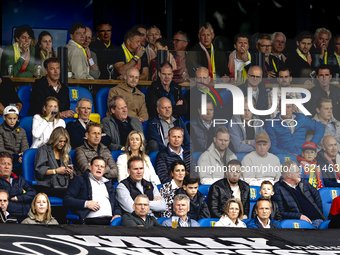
(180, 41)
(181, 207)
(77, 128)
(296, 198)
(118, 125)
(206, 54)
(322, 36)
(152, 34)
(278, 45)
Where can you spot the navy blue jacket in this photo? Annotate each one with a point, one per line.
(80, 190)
(255, 223)
(328, 173)
(289, 208)
(154, 131)
(164, 160)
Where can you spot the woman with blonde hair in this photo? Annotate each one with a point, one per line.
(233, 214)
(135, 146)
(53, 167)
(40, 212)
(43, 124)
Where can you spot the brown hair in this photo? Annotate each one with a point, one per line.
(227, 206)
(48, 213)
(48, 99)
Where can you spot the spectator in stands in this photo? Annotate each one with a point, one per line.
(278, 45)
(152, 34)
(5, 217)
(198, 207)
(240, 59)
(180, 42)
(166, 87)
(13, 138)
(335, 208)
(208, 55)
(181, 209)
(263, 209)
(232, 215)
(334, 59)
(158, 127)
(92, 197)
(91, 148)
(40, 212)
(43, 50)
(325, 116)
(284, 79)
(272, 63)
(309, 168)
(19, 57)
(300, 61)
(177, 173)
(296, 198)
(139, 217)
(118, 125)
(53, 164)
(260, 165)
(326, 90)
(288, 133)
(135, 146)
(129, 188)
(212, 162)
(77, 128)
(229, 187)
(78, 65)
(43, 124)
(142, 29)
(131, 54)
(90, 55)
(161, 44)
(267, 191)
(50, 86)
(322, 37)
(20, 192)
(103, 47)
(174, 151)
(134, 98)
(328, 159)
(8, 95)
(243, 130)
(259, 94)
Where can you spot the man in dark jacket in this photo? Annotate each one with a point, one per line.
(159, 126)
(296, 198)
(263, 209)
(5, 217)
(92, 197)
(174, 151)
(139, 216)
(165, 87)
(229, 187)
(8, 95)
(21, 194)
(50, 86)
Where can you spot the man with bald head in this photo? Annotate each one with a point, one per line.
(91, 56)
(328, 159)
(134, 98)
(159, 126)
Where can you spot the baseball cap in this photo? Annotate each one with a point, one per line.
(262, 137)
(11, 109)
(309, 145)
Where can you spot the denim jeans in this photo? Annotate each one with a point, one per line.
(316, 223)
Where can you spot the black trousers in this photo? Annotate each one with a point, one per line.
(98, 221)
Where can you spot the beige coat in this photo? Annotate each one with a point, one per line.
(31, 219)
(77, 61)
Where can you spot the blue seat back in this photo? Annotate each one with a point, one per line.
(116, 222)
(327, 196)
(101, 101)
(144, 124)
(152, 157)
(204, 189)
(240, 156)
(160, 220)
(324, 224)
(254, 193)
(196, 156)
(1, 120)
(159, 186)
(24, 93)
(225, 95)
(184, 91)
(26, 123)
(72, 155)
(144, 91)
(67, 120)
(286, 157)
(28, 165)
(116, 154)
(295, 224)
(76, 93)
(208, 222)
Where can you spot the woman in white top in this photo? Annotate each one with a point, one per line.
(233, 215)
(44, 124)
(135, 146)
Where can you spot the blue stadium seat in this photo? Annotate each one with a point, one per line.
(1, 120)
(225, 95)
(160, 220)
(253, 195)
(101, 101)
(240, 156)
(196, 156)
(246, 220)
(116, 221)
(67, 120)
(208, 222)
(144, 91)
(184, 91)
(26, 123)
(76, 93)
(144, 124)
(286, 157)
(24, 93)
(295, 224)
(70, 217)
(115, 184)
(324, 224)
(153, 156)
(72, 155)
(159, 186)
(204, 189)
(327, 196)
(116, 154)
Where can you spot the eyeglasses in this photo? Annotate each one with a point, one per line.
(145, 205)
(254, 77)
(265, 46)
(176, 40)
(84, 108)
(104, 31)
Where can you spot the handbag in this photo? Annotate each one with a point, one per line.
(60, 181)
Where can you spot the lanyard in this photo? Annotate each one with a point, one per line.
(128, 55)
(337, 58)
(274, 65)
(244, 72)
(16, 52)
(42, 55)
(301, 55)
(80, 47)
(109, 44)
(212, 57)
(325, 58)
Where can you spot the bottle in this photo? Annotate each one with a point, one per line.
(10, 69)
(38, 71)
